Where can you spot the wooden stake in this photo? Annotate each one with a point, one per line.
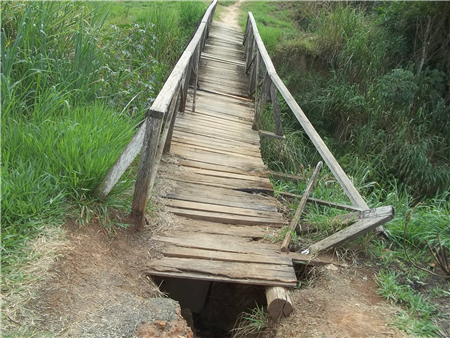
(301, 206)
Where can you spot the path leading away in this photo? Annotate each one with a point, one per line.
(225, 221)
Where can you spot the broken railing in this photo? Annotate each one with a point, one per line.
(266, 84)
(155, 134)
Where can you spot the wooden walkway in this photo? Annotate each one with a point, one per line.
(225, 221)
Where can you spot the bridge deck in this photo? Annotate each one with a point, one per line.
(224, 228)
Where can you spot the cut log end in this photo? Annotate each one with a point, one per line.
(279, 303)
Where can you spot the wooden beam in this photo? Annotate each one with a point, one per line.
(284, 177)
(324, 203)
(383, 215)
(149, 148)
(279, 303)
(315, 138)
(270, 134)
(301, 206)
(122, 163)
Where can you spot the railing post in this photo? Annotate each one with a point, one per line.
(276, 110)
(261, 107)
(146, 166)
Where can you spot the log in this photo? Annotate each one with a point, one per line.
(301, 206)
(279, 303)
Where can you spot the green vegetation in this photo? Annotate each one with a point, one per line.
(373, 78)
(76, 80)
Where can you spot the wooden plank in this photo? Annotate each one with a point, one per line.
(253, 232)
(284, 177)
(276, 222)
(221, 159)
(233, 270)
(270, 134)
(213, 57)
(217, 173)
(220, 150)
(238, 128)
(122, 163)
(218, 167)
(225, 243)
(324, 203)
(298, 258)
(212, 144)
(294, 222)
(175, 251)
(384, 215)
(213, 278)
(222, 209)
(207, 116)
(211, 132)
(215, 181)
(229, 197)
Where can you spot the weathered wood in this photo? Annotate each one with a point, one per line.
(324, 203)
(261, 106)
(166, 139)
(321, 147)
(384, 215)
(276, 110)
(353, 217)
(235, 270)
(294, 222)
(270, 134)
(149, 148)
(227, 218)
(122, 163)
(298, 258)
(284, 177)
(175, 251)
(279, 303)
(327, 156)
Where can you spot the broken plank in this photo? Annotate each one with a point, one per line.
(254, 232)
(213, 278)
(220, 209)
(175, 251)
(359, 228)
(276, 222)
(218, 242)
(227, 269)
(324, 203)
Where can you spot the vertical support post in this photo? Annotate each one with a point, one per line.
(196, 59)
(261, 107)
(167, 136)
(184, 89)
(145, 169)
(276, 110)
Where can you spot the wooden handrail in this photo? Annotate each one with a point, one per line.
(344, 181)
(163, 111)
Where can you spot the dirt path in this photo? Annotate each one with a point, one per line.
(230, 15)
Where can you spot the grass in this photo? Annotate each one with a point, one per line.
(345, 72)
(76, 80)
(250, 324)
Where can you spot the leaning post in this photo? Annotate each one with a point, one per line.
(146, 166)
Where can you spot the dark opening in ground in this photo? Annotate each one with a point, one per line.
(212, 308)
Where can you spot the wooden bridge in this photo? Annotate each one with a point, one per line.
(207, 118)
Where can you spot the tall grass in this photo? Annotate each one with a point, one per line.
(74, 87)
